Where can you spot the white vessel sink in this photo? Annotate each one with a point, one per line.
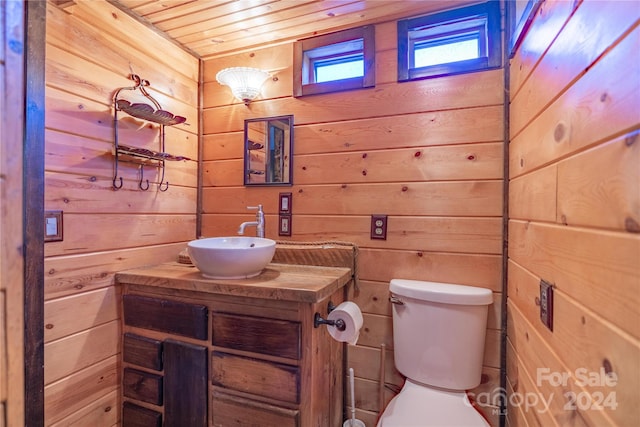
(237, 257)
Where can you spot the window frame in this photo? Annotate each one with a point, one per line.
(493, 58)
(302, 68)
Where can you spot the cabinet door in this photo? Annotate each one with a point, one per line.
(185, 382)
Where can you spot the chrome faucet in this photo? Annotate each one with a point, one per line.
(259, 222)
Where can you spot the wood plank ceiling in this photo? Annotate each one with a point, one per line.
(211, 28)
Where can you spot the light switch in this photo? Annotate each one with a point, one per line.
(284, 228)
(52, 226)
(285, 203)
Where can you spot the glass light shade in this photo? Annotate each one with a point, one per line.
(245, 82)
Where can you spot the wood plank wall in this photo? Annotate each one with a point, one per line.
(12, 291)
(91, 49)
(574, 204)
(429, 154)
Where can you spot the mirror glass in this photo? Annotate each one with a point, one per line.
(268, 149)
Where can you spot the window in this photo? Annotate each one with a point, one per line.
(334, 62)
(451, 42)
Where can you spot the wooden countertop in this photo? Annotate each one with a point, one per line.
(278, 281)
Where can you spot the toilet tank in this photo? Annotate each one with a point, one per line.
(439, 332)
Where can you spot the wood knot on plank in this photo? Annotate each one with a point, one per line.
(631, 225)
(631, 139)
(608, 368)
(559, 132)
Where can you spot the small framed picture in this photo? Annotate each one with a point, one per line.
(285, 203)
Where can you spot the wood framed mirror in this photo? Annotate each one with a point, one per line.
(268, 151)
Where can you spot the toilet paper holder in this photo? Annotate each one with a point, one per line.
(338, 323)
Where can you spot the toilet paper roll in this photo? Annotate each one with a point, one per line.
(350, 313)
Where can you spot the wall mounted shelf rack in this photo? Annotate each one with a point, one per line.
(142, 156)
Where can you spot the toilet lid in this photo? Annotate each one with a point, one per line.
(421, 406)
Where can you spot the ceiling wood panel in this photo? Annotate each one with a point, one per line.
(212, 28)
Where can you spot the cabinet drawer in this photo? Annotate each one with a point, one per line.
(175, 317)
(257, 334)
(234, 411)
(142, 386)
(267, 379)
(137, 416)
(142, 351)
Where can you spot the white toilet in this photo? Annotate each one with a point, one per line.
(438, 336)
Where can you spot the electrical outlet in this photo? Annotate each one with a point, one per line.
(379, 227)
(546, 304)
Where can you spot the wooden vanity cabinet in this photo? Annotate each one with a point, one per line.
(237, 361)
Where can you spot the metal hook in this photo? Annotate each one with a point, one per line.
(136, 78)
(115, 166)
(116, 186)
(162, 185)
(141, 178)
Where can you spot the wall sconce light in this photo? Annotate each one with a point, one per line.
(245, 82)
